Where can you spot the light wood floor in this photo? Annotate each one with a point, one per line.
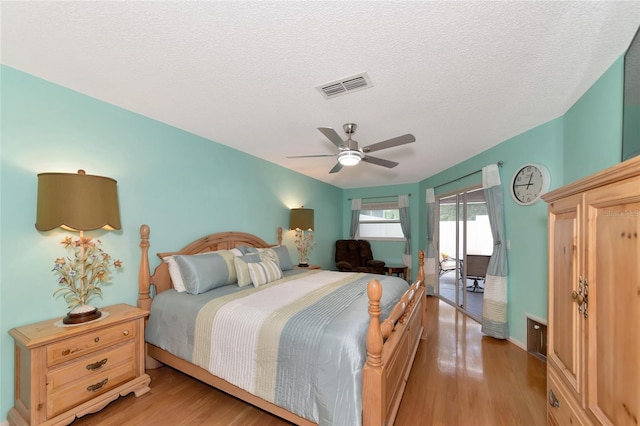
(459, 378)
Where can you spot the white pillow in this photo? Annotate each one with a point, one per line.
(174, 273)
(264, 272)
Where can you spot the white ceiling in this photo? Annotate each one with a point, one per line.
(460, 76)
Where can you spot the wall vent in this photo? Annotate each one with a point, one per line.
(537, 337)
(345, 85)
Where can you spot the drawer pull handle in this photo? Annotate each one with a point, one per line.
(97, 339)
(553, 401)
(125, 332)
(96, 387)
(96, 365)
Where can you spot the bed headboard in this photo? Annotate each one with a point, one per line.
(160, 277)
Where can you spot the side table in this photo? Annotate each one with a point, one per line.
(307, 267)
(398, 269)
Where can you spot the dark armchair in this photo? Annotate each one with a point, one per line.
(356, 256)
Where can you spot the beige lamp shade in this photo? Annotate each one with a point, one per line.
(301, 219)
(77, 201)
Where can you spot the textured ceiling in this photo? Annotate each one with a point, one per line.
(460, 76)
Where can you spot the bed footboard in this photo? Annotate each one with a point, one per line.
(391, 349)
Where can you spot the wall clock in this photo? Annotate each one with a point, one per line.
(529, 182)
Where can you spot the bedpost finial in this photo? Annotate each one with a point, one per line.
(374, 290)
(144, 231)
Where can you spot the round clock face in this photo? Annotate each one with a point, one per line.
(529, 182)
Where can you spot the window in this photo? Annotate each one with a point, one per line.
(380, 221)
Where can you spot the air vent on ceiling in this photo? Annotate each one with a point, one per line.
(345, 85)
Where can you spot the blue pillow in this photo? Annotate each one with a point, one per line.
(204, 272)
(284, 258)
(247, 249)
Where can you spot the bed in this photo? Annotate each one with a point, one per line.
(320, 322)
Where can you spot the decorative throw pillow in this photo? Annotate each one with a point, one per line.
(269, 254)
(242, 270)
(284, 258)
(247, 249)
(264, 272)
(206, 271)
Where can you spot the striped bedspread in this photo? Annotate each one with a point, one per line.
(285, 342)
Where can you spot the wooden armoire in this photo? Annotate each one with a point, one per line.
(593, 361)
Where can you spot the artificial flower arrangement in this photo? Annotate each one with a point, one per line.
(84, 271)
(304, 244)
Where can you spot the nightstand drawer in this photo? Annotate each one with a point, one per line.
(88, 388)
(90, 366)
(78, 346)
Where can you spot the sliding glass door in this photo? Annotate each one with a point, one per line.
(464, 245)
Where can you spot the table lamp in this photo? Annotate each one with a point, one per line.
(302, 220)
(79, 202)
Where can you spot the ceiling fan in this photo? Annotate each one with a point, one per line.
(349, 154)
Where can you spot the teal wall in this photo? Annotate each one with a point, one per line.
(182, 185)
(593, 127)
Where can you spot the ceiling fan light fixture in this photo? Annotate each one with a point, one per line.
(349, 157)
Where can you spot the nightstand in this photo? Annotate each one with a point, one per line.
(307, 267)
(66, 372)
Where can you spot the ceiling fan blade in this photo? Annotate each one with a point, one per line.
(389, 143)
(380, 161)
(336, 168)
(332, 135)
(311, 156)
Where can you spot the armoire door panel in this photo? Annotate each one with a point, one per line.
(565, 342)
(614, 305)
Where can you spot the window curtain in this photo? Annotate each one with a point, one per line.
(405, 223)
(430, 252)
(356, 206)
(494, 303)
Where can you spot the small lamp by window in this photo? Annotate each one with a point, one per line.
(79, 202)
(302, 221)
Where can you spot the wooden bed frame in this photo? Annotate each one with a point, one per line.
(391, 343)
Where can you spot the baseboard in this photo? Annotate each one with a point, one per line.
(518, 343)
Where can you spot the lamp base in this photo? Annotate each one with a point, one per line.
(82, 313)
(303, 265)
